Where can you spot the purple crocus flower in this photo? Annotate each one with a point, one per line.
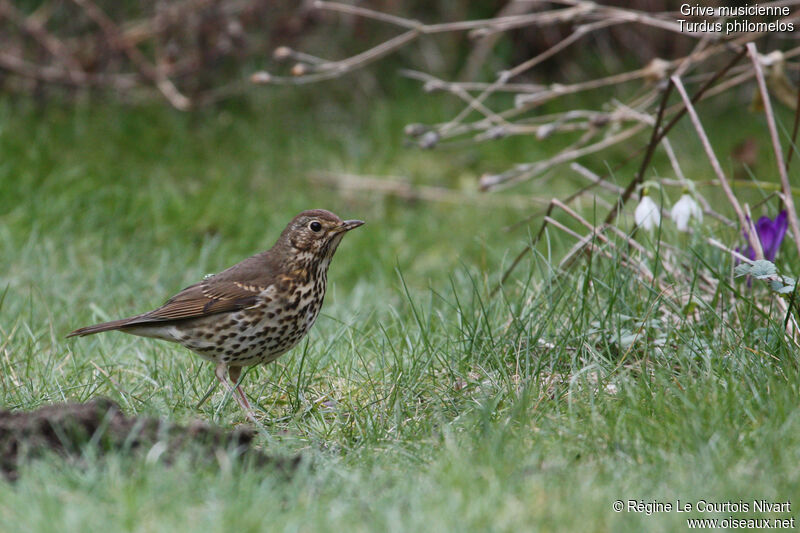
(770, 234)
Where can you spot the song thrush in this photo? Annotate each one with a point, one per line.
(254, 311)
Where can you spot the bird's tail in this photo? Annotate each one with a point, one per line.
(105, 326)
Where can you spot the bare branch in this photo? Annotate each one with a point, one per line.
(788, 199)
(116, 38)
(399, 187)
(744, 221)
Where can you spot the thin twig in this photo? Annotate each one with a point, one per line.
(527, 170)
(651, 148)
(795, 126)
(395, 186)
(744, 222)
(51, 43)
(788, 199)
(117, 39)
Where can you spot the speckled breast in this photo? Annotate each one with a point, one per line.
(260, 333)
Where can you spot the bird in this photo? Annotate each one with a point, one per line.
(254, 311)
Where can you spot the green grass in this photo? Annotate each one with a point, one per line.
(418, 402)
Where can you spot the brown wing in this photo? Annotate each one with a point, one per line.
(232, 289)
(204, 299)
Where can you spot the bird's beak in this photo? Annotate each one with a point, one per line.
(347, 225)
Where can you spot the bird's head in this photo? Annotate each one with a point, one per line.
(316, 232)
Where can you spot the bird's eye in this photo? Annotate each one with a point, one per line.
(315, 226)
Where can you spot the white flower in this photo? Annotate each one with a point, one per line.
(647, 214)
(684, 209)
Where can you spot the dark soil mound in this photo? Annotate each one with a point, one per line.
(69, 428)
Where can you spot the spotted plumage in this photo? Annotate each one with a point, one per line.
(254, 311)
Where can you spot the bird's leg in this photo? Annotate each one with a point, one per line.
(234, 372)
(221, 372)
